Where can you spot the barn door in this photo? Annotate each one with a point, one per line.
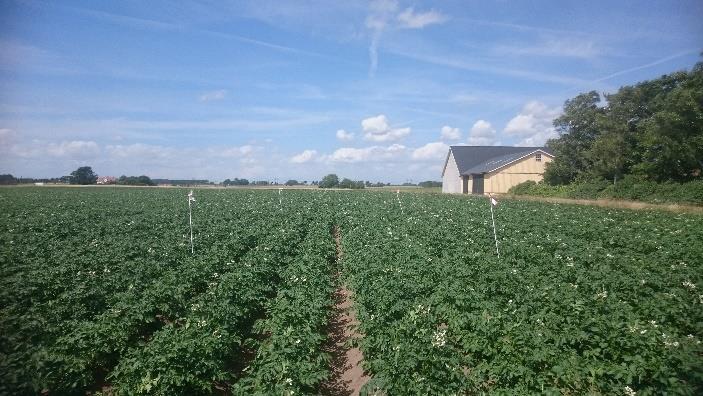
(477, 185)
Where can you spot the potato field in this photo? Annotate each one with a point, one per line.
(99, 293)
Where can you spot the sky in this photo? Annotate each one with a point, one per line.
(278, 90)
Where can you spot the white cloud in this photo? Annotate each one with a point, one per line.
(562, 47)
(380, 13)
(417, 20)
(370, 154)
(138, 151)
(305, 156)
(344, 135)
(383, 15)
(431, 151)
(213, 95)
(533, 124)
(482, 133)
(147, 153)
(449, 133)
(74, 149)
(241, 151)
(6, 136)
(377, 129)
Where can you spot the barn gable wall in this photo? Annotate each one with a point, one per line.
(451, 180)
(523, 170)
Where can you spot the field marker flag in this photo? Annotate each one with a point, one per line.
(397, 194)
(494, 202)
(191, 199)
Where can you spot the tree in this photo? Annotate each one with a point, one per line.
(577, 128)
(83, 175)
(652, 129)
(329, 181)
(135, 181)
(430, 183)
(292, 182)
(7, 179)
(346, 183)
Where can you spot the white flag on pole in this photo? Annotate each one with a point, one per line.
(191, 199)
(494, 202)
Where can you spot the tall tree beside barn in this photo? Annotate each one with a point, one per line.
(578, 129)
(653, 129)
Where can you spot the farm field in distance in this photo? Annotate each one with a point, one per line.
(99, 293)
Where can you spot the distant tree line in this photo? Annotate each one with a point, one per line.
(236, 182)
(8, 179)
(135, 181)
(332, 181)
(430, 184)
(651, 131)
(183, 182)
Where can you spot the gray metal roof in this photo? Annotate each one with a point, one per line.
(482, 159)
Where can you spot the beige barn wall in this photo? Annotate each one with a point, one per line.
(526, 169)
(451, 181)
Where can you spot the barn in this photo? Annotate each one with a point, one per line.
(492, 169)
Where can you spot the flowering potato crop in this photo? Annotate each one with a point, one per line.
(99, 288)
(99, 292)
(583, 300)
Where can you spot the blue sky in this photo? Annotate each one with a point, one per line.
(276, 90)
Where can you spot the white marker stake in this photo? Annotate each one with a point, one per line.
(493, 203)
(280, 202)
(191, 199)
(397, 194)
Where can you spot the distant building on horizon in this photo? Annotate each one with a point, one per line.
(106, 180)
(492, 169)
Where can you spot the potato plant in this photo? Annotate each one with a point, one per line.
(100, 293)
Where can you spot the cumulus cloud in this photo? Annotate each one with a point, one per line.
(74, 149)
(344, 135)
(377, 129)
(305, 156)
(370, 154)
(482, 133)
(533, 124)
(430, 151)
(417, 20)
(241, 151)
(213, 95)
(449, 133)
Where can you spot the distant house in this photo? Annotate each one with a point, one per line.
(106, 180)
(492, 169)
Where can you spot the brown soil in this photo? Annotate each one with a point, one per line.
(347, 373)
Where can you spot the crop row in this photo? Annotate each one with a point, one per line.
(118, 299)
(99, 292)
(582, 300)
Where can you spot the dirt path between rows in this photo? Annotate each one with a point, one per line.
(347, 373)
